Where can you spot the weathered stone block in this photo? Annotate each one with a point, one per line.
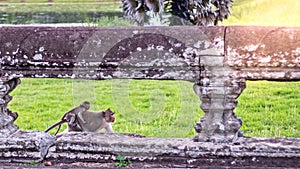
(176, 152)
(273, 47)
(25, 146)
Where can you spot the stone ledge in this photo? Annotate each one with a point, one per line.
(25, 146)
(70, 148)
(99, 147)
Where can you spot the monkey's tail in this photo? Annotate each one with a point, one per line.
(57, 129)
(54, 125)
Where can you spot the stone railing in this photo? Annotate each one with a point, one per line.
(218, 60)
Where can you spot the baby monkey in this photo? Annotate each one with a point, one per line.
(80, 119)
(71, 118)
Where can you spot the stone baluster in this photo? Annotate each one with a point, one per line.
(7, 117)
(218, 90)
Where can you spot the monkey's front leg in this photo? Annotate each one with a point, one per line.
(72, 123)
(109, 128)
(80, 118)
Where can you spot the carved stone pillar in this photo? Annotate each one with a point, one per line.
(7, 118)
(218, 90)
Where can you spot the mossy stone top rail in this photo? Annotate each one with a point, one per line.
(99, 53)
(270, 53)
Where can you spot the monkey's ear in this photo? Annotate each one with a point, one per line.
(103, 113)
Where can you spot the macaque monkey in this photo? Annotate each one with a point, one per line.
(71, 118)
(95, 121)
(86, 121)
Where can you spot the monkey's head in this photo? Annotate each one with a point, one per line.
(86, 105)
(109, 116)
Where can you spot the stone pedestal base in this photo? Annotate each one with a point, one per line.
(218, 90)
(7, 117)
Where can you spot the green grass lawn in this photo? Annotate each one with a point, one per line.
(12, 8)
(152, 108)
(77, 6)
(156, 108)
(270, 109)
(265, 13)
(168, 108)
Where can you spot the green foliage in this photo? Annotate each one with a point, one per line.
(122, 161)
(59, 8)
(108, 21)
(31, 163)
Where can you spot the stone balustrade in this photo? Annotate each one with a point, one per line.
(218, 60)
